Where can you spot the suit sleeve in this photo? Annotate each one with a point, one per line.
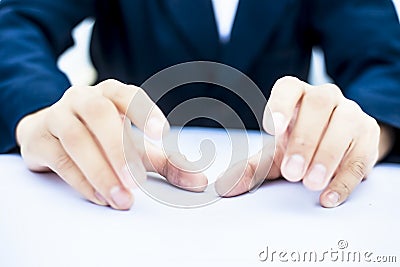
(361, 41)
(32, 35)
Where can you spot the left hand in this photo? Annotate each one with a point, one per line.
(322, 138)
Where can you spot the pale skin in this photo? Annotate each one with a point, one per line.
(323, 139)
(80, 138)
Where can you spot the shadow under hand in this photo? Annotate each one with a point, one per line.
(158, 188)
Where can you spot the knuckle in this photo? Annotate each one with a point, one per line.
(349, 112)
(49, 117)
(109, 83)
(318, 99)
(63, 163)
(95, 105)
(286, 81)
(370, 125)
(45, 136)
(136, 91)
(360, 121)
(343, 187)
(362, 126)
(332, 89)
(352, 107)
(357, 167)
(70, 134)
(115, 92)
(35, 143)
(373, 131)
(71, 93)
(376, 131)
(374, 126)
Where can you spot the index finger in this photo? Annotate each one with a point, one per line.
(137, 106)
(285, 95)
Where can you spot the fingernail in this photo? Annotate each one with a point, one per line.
(127, 178)
(154, 127)
(100, 198)
(332, 199)
(294, 168)
(279, 123)
(120, 197)
(317, 175)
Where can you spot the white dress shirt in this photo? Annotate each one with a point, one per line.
(225, 12)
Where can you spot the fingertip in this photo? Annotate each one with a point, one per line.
(233, 182)
(292, 168)
(128, 179)
(225, 189)
(220, 187)
(268, 123)
(316, 179)
(330, 199)
(274, 123)
(121, 198)
(99, 199)
(194, 182)
(201, 186)
(279, 122)
(203, 183)
(191, 181)
(182, 173)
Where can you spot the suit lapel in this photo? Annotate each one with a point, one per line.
(254, 23)
(195, 21)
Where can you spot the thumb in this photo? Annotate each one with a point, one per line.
(175, 168)
(248, 175)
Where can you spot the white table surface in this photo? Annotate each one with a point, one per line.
(44, 223)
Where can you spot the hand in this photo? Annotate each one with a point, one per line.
(81, 139)
(321, 137)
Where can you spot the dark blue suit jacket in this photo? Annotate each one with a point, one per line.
(133, 39)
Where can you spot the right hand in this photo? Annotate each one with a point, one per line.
(81, 139)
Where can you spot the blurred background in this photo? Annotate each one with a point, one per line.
(75, 62)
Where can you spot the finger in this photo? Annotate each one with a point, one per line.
(133, 159)
(137, 106)
(59, 162)
(248, 174)
(281, 105)
(104, 122)
(174, 167)
(314, 114)
(357, 163)
(79, 144)
(333, 146)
